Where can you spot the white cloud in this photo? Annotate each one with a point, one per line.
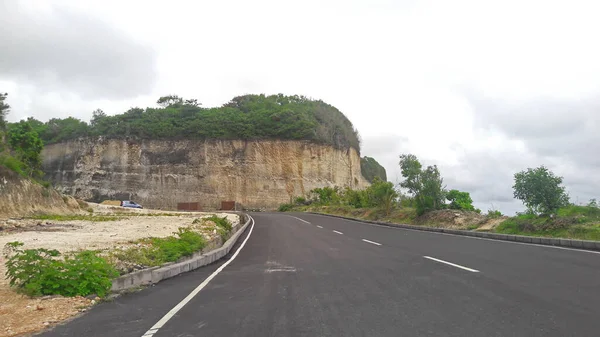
(481, 88)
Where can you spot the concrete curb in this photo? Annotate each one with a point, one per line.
(156, 274)
(575, 244)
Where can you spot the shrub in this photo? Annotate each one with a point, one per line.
(285, 208)
(300, 201)
(185, 243)
(41, 272)
(460, 200)
(221, 222)
(13, 164)
(494, 214)
(326, 195)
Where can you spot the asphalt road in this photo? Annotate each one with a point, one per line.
(311, 275)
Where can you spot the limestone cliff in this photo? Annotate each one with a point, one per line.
(161, 173)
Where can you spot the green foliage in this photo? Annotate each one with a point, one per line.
(370, 169)
(356, 198)
(285, 207)
(221, 222)
(27, 145)
(13, 164)
(301, 201)
(382, 194)
(224, 227)
(184, 243)
(540, 190)
(574, 210)
(494, 214)
(326, 195)
(426, 186)
(157, 251)
(593, 203)
(460, 200)
(4, 109)
(246, 117)
(42, 272)
(577, 222)
(58, 130)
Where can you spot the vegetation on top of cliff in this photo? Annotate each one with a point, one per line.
(371, 169)
(248, 117)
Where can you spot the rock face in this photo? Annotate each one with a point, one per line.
(160, 173)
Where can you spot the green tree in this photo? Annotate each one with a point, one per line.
(460, 200)
(26, 143)
(4, 110)
(169, 100)
(540, 190)
(426, 186)
(433, 193)
(249, 117)
(593, 203)
(411, 171)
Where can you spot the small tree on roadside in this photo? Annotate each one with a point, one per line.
(382, 194)
(426, 186)
(540, 190)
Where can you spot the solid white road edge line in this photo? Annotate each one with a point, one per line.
(154, 329)
(338, 232)
(469, 237)
(372, 242)
(452, 264)
(319, 226)
(301, 220)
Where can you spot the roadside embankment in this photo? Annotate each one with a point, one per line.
(113, 234)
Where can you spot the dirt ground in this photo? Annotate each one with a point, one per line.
(456, 219)
(20, 314)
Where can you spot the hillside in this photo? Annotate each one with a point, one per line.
(249, 117)
(370, 169)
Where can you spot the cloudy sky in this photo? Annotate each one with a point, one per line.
(481, 88)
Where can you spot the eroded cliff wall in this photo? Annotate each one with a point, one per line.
(22, 197)
(159, 174)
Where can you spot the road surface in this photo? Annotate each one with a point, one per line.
(311, 275)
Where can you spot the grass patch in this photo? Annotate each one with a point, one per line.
(224, 227)
(572, 222)
(152, 252)
(57, 217)
(401, 215)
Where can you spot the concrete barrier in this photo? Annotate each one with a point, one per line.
(153, 275)
(576, 244)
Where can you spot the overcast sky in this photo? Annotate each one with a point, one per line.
(481, 88)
